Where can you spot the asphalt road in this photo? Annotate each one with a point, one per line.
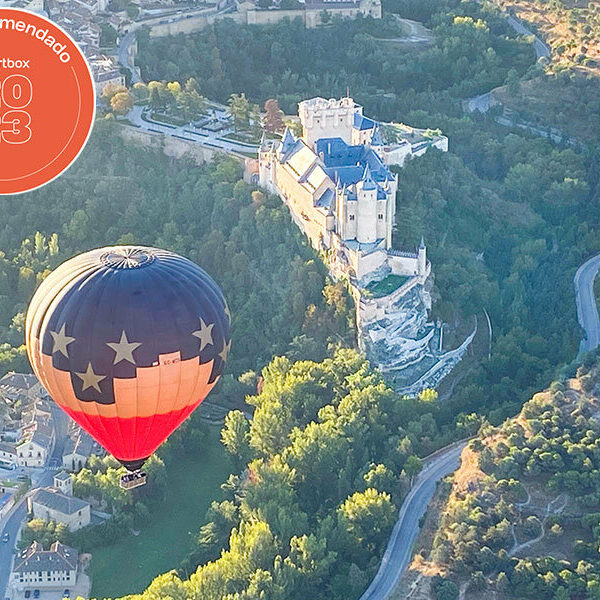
(481, 103)
(124, 45)
(398, 552)
(12, 526)
(587, 311)
(541, 49)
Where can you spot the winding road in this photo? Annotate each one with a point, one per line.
(398, 552)
(483, 102)
(587, 311)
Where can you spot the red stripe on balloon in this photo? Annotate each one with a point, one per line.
(134, 438)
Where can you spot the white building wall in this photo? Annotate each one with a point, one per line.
(322, 118)
(74, 522)
(366, 232)
(382, 219)
(47, 580)
(367, 263)
(31, 455)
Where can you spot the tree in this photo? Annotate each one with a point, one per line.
(368, 517)
(133, 10)
(273, 122)
(235, 435)
(121, 103)
(140, 91)
(412, 466)
(239, 110)
(110, 90)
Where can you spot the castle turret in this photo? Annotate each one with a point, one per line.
(366, 191)
(422, 258)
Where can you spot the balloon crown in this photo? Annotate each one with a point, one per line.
(128, 257)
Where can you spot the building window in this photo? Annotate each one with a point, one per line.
(380, 216)
(351, 217)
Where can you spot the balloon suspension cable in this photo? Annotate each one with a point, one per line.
(133, 479)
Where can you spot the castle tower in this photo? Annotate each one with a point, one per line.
(322, 118)
(366, 191)
(422, 258)
(63, 482)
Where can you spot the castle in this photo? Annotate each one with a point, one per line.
(336, 181)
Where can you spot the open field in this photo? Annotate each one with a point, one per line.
(130, 565)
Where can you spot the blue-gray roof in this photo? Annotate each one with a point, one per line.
(363, 123)
(377, 140)
(326, 199)
(346, 164)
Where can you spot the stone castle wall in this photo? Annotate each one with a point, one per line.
(170, 145)
(310, 17)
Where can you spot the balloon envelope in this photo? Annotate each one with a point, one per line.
(128, 341)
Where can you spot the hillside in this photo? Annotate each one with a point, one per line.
(522, 518)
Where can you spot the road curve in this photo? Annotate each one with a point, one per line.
(398, 552)
(587, 311)
(541, 48)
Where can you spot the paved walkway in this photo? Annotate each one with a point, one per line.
(203, 137)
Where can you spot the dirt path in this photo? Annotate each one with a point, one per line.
(517, 547)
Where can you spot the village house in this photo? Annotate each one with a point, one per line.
(50, 504)
(16, 387)
(77, 450)
(8, 455)
(41, 569)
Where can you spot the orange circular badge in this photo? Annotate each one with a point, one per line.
(47, 101)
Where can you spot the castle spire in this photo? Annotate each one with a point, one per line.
(287, 140)
(367, 180)
(422, 244)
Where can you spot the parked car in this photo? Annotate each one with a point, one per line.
(67, 594)
(36, 593)
(6, 537)
(27, 593)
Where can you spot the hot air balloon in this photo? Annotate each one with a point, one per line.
(128, 341)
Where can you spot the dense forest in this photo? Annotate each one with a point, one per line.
(523, 515)
(323, 466)
(473, 51)
(329, 454)
(123, 193)
(507, 216)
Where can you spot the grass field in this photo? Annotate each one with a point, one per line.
(129, 566)
(385, 286)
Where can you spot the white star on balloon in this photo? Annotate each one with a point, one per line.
(61, 341)
(90, 379)
(123, 349)
(204, 334)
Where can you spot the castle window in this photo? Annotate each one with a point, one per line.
(351, 217)
(380, 215)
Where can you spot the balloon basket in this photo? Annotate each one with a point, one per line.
(133, 480)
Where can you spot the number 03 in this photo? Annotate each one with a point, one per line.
(16, 93)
